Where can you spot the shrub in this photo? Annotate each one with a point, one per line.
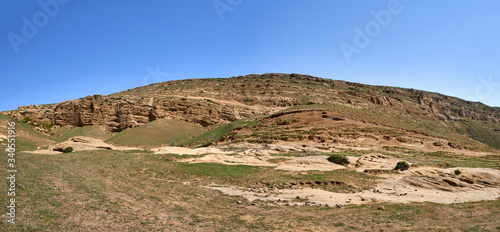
(27, 119)
(458, 172)
(402, 165)
(338, 159)
(68, 150)
(173, 144)
(437, 144)
(38, 124)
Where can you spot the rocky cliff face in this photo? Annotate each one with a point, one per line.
(412, 101)
(118, 114)
(211, 101)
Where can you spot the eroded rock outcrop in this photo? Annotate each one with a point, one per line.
(118, 114)
(211, 101)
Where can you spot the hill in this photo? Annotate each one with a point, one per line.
(317, 154)
(211, 102)
(94, 131)
(31, 138)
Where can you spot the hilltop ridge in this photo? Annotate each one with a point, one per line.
(209, 102)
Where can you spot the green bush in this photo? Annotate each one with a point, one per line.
(68, 150)
(402, 165)
(458, 172)
(173, 144)
(338, 159)
(27, 119)
(39, 124)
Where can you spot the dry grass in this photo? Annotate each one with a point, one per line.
(139, 191)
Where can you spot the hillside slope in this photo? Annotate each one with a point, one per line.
(27, 138)
(208, 102)
(158, 133)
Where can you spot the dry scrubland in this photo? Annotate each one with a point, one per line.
(138, 191)
(260, 163)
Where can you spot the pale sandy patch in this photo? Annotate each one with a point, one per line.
(187, 151)
(308, 163)
(230, 160)
(484, 184)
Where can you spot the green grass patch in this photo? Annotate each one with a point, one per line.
(448, 160)
(217, 170)
(485, 132)
(161, 132)
(27, 138)
(94, 131)
(218, 133)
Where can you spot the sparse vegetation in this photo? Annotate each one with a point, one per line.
(277, 160)
(94, 131)
(139, 190)
(438, 144)
(28, 138)
(338, 159)
(402, 165)
(60, 188)
(161, 132)
(35, 123)
(218, 133)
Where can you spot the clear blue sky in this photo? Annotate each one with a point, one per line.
(82, 48)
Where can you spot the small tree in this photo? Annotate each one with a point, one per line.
(458, 172)
(402, 165)
(173, 144)
(338, 159)
(68, 150)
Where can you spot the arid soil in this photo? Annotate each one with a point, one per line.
(81, 143)
(418, 184)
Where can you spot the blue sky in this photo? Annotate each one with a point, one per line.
(52, 51)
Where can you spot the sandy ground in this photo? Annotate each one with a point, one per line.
(397, 189)
(291, 164)
(187, 151)
(81, 143)
(319, 163)
(230, 160)
(418, 184)
(374, 161)
(253, 157)
(262, 157)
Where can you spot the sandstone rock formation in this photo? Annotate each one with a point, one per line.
(118, 114)
(82, 143)
(211, 101)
